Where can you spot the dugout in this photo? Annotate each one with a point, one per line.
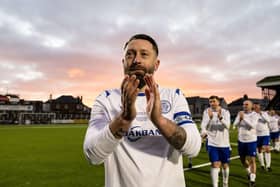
(271, 89)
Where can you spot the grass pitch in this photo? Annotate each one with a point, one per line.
(45, 155)
(52, 155)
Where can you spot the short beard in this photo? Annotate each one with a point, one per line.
(142, 82)
(140, 77)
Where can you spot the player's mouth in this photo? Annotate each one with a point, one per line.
(137, 70)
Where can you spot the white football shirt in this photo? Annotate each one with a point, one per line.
(217, 130)
(262, 124)
(273, 123)
(143, 157)
(247, 127)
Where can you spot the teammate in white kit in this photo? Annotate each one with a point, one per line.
(246, 121)
(215, 125)
(141, 130)
(263, 137)
(274, 130)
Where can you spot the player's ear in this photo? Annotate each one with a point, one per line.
(157, 64)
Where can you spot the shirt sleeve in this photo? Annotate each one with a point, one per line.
(182, 117)
(251, 121)
(236, 121)
(99, 141)
(205, 121)
(226, 119)
(266, 117)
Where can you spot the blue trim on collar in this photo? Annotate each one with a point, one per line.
(107, 93)
(141, 94)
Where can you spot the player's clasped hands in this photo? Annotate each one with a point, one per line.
(129, 93)
(153, 99)
(241, 115)
(210, 113)
(220, 112)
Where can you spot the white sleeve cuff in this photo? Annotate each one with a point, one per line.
(192, 145)
(109, 136)
(99, 146)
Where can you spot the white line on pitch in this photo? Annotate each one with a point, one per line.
(207, 164)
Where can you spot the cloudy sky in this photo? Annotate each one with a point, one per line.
(75, 47)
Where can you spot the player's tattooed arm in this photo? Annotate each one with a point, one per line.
(120, 133)
(119, 127)
(175, 135)
(178, 138)
(129, 90)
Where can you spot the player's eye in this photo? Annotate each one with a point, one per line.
(145, 54)
(129, 55)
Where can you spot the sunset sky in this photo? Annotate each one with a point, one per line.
(69, 47)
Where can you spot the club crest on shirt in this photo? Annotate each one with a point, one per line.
(165, 106)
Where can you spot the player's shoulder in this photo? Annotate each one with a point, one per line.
(109, 93)
(254, 114)
(170, 91)
(225, 110)
(265, 113)
(206, 110)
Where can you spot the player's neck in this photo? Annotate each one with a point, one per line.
(142, 90)
(214, 109)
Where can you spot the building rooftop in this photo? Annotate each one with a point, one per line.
(270, 81)
(239, 101)
(66, 99)
(196, 98)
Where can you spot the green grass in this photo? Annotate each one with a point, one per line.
(51, 155)
(39, 156)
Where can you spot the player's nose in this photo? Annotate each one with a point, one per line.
(137, 59)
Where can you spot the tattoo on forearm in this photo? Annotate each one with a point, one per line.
(178, 138)
(127, 112)
(120, 133)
